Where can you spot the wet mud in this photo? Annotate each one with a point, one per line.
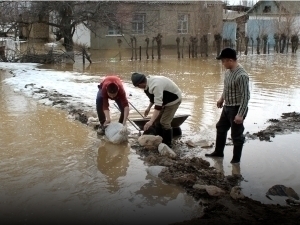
(222, 206)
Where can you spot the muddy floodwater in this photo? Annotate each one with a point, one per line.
(53, 168)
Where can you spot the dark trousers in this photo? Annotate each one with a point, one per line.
(100, 112)
(226, 122)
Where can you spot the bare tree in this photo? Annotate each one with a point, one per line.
(65, 16)
(287, 25)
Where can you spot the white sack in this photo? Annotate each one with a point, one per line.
(114, 134)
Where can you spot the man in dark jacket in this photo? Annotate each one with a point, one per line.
(165, 95)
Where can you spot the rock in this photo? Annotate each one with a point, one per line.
(155, 170)
(292, 202)
(282, 190)
(214, 191)
(236, 193)
(199, 187)
(190, 144)
(149, 141)
(92, 121)
(164, 149)
(210, 189)
(208, 146)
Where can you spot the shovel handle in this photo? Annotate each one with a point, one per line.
(137, 110)
(132, 123)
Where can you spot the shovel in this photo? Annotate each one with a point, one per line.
(132, 123)
(137, 110)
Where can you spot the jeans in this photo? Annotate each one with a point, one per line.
(226, 122)
(99, 107)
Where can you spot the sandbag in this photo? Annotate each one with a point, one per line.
(113, 133)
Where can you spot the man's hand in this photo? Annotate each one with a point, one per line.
(106, 123)
(146, 112)
(147, 125)
(238, 119)
(220, 103)
(124, 130)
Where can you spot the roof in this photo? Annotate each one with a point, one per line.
(174, 2)
(232, 15)
(239, 8)
(287, 6)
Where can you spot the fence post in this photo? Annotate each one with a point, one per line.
(140, 53)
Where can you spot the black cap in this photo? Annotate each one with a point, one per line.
(227, 53)
(138, 78)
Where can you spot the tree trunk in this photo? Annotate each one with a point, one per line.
(246, 45)
(159, 44)
(153, 39)
(183, 40)
(134, 39)
(177, 44)
(131, 39)
(258, 45)
(147, 46)
(218, 40)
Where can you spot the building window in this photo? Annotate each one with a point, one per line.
(114, 30)
(138, 23)
(183, 20)
(267, 9)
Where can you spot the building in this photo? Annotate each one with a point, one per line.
(171, 19)
(235, 19)
(271, 17)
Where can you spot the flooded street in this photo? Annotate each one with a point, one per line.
(54, 168)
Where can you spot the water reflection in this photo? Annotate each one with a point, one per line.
(218, 163)
(53, 170)
(113, 162)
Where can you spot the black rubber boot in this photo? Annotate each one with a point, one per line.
(220, 145)
(237, 153)
(158, 129)
(167, 137)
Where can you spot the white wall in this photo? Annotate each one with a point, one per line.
(82, 35)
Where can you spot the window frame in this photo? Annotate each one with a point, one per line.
(267, 9)
(136, 23)
(183, 24)
(115, 29)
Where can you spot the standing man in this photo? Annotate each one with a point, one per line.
(165, 95)
(112, 88)
(235, 98)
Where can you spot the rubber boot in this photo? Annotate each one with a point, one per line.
(167, 137)
(237, 153)
(158, 130)
(220, 145)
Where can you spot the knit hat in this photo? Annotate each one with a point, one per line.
(138, 78)
(227, 53)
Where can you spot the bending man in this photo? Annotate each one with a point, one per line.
(165, 95)
(111, 88)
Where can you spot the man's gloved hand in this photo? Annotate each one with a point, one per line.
(124, 130)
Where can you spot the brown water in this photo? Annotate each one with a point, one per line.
(56, 169)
